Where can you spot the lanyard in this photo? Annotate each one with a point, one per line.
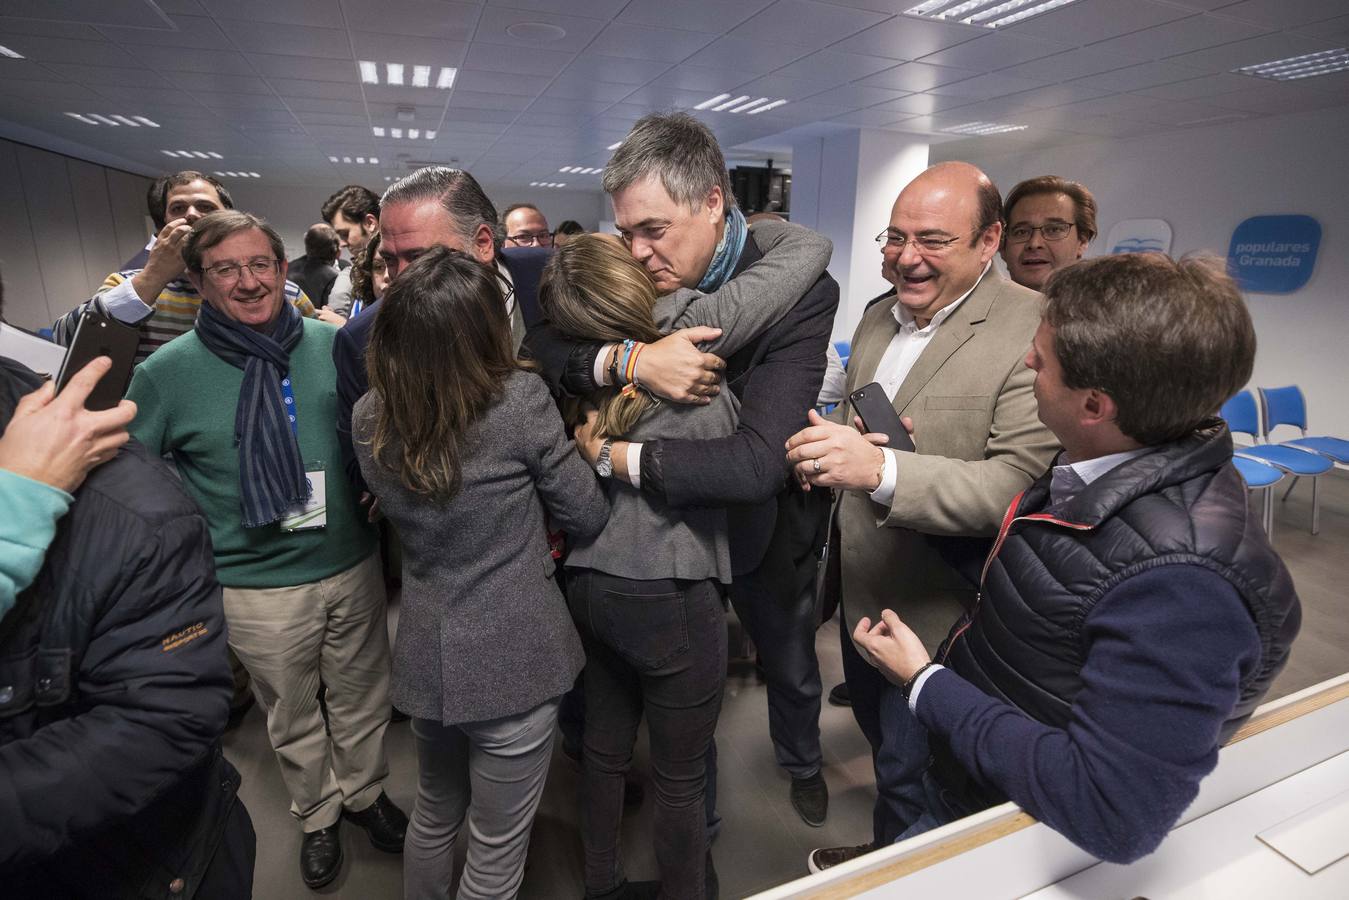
(356, 306)
(288, 395)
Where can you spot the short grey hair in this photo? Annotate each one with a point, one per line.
(457, 191)
(678, 149)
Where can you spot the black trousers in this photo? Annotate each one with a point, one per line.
(776, 604)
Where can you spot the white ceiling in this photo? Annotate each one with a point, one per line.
(273, 85)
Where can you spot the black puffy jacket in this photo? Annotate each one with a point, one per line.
(114, 690)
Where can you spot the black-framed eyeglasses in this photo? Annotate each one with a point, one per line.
(893, 240)
(531, 239)
(1052, 231)
(227, 273)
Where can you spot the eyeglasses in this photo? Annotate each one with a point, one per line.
(1052, 231)
(526, 239)
(228, 273)
(893, 240)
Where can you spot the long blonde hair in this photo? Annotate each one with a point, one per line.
(593, 290)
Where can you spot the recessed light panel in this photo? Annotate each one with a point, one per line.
(238, 175)
(399, 134)
(192, 154)
(987, 13)
(743, 103)
(115, 119)
(10, 54)
(400, 74)
(983, 128)
(1297, 67)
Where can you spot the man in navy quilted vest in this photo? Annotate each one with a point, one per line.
(1132, 612)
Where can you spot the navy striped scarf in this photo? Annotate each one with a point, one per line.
(271, 470)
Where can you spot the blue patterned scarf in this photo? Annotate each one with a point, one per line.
(728, 252)
(271, 470)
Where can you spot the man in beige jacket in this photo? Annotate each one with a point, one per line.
(947, 348)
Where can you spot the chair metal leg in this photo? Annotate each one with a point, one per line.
(1268, 508)
(1292, 485)
(1316, 507)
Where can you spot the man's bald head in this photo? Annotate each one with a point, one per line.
(945, 227)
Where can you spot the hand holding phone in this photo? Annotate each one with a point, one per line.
(878, 415)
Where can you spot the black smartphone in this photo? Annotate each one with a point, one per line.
(878, 415)
(99, 335)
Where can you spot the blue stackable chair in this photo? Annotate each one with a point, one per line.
(844, 351)
(1260, 477)
(1285, 406)
(1243, 417)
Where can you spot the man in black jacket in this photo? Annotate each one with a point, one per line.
(674, 209)
(115, 691)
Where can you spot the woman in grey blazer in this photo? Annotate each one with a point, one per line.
(647, 592)
(465, 451)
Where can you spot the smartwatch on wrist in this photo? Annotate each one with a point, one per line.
(604, 465)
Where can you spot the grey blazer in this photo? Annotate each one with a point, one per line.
(646, 538)
(483, 629)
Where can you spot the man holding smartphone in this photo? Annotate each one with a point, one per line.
(947, 350)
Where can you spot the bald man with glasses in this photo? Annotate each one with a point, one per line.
(525, 226)
(946, 347)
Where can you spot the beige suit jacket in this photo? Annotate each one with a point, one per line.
(979, 441)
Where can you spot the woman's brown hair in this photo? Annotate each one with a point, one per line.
(593, 290)
(363, 271)
(440, 353)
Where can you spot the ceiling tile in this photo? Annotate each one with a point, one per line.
(96, 76)
(131, 13)
(497, 83)
(28, 70)
(1088, 21)
(306, 67)
(1275, 97)
(1184, 36)
(994, 51)
(921, 104)
(575, 88)
(595, 9)
(806, 23)
(289, 40)
(204, 81)
(745, 55)
(1070, 65)
(493, 101)
(94, 53)
(1249, 52)
(830, 67)
(1335, 30)
(574, 108)
(9, 27)
(909, 38)
(710, 16)
(1198, 88)
(328, 90)
(916, 77)
(855, 96)
(285, 12)
(409, 49)
(228, 100)
(321, 105)
(1284, 13)
(640, 42)
(1055, 95)
(146, 98)
(516, 60)
(323, 118)
(61, 90)
(168, 59)
(612, 70)
(711, 81)
(1136, 77)
(496, 19)
(478, 114)
(870, 118)
(418, 18)
(200, 32)
(983, 87)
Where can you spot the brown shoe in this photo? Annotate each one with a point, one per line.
(828, 857)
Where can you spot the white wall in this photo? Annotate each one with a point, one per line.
(1205, 182)
(64, 225)
(291, 210)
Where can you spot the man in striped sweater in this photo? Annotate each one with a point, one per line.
(158, 298)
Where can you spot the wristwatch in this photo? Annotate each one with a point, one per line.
(604, 466)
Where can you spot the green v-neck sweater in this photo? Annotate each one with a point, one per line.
(186, 398)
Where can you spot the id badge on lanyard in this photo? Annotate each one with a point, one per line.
(312, 514)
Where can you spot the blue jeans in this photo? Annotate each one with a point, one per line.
(899, 749)
(655, 649)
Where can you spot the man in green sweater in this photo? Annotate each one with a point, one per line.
(245, 403)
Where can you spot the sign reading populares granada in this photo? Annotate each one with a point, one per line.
(1274, 254)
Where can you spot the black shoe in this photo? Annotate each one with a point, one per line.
(385, 823)
(629, 890)
(321, 856)
(839, 696)
(828, 857)
(810, 799)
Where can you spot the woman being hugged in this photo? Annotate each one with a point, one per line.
(465, 451)
(648, 592)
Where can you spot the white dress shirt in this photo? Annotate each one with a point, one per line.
(905, 347)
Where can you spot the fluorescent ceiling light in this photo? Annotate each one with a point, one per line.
(214, 155)
(125, 121)
(986, 13)
(704, 105)
(393, 73)
(104, 119)
(173, 153)
(774, 105)
(421, 76)
(145, 121)
(5, 51)
(347, 160)
(983, 128)
(369, 72)
(744, 106)
(430, 135)
(374, 160)
(378, 130)
(360, 160)
(200, 155)
(396, 133)
(729, 103)
(332, 159)
(414, 133)
(1296, 67)
(446, 79)
(85, 119)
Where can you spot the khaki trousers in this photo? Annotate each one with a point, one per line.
(291, 637)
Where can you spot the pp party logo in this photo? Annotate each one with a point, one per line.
(1274, 254)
